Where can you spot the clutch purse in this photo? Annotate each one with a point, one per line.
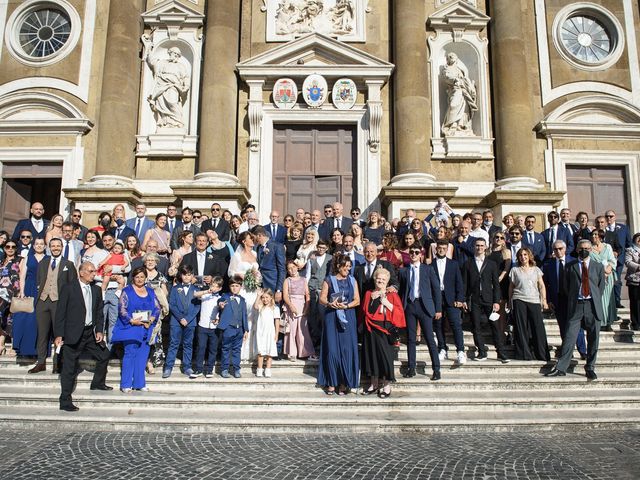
(21, 305)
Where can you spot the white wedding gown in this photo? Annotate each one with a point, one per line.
(238, 266)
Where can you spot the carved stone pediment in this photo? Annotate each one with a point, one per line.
(315, 52)
(172, 12)
(457, 17)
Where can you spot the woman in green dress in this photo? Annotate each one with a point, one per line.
(603, 253)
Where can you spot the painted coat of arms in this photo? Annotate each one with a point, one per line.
(285, 93)
(314, 90)
(344, 93)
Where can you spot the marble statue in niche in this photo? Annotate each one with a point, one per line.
(171, 84)
(462, 99)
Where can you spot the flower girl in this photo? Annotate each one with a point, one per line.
(266, 330)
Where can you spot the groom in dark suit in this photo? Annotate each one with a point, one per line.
(583, 284)
(79, 327)
(271, 260)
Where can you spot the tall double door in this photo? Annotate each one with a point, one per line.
(313, 166)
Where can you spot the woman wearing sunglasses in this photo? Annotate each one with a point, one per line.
(9, 286)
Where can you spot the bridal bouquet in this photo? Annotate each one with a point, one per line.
(252, 280)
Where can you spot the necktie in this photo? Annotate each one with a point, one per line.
(586, 291)
(138, 222)
(369, 268)
(87, 300)
(273, 231)
(530, 238)
(338, 222)
(53, 264)
(65, 254)
(171, 225)
(561, 274)
(412, 296)
(119, 233)
(215, 223)
(552, 236)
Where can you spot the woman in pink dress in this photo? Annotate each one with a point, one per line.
(295, 294)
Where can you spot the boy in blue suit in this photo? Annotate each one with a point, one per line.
(233, 325)
(184, 308)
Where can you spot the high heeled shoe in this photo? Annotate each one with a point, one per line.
(149, 368)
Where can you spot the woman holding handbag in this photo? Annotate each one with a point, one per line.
(383, 316)
(25, 326)
(9, 286)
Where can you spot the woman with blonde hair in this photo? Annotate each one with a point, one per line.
(356, 232)
(309, 245)
(54, 230)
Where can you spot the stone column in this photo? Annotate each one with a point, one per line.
(219, 97)
(412, 106)
(120, 92)
(514, 74)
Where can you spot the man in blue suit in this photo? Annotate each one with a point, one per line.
(234, 327)
(463, 244)
(121, 231)
(452, 288)
(422, 300)
(556, 232)
(277, 232)
(140, 224)
(35, 223)
(348, 250)
(534, 240)
(184, 308)
(624, 238)
(553, 276)
(271, 260)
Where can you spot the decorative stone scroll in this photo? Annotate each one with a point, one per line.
(342, 19)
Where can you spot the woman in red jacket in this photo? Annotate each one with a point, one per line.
(383, 315)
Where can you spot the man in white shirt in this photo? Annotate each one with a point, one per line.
(515, 243)
(208, 335)
(172, 220)
(476, 230)
(347, 249)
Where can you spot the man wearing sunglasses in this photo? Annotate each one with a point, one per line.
(556, 232)
(76, 218)
(422, 300)
(217, 223)
(25, 243)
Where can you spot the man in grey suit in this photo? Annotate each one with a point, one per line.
(583, 284)
(53, 273)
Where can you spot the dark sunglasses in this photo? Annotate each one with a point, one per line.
(10, 246)
(609, 216)
(498, 237)
(215, 209)
(26, 236)
(415, 252)
(197, 216)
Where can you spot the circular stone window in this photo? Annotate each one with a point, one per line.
(588, 36)
(40, 33)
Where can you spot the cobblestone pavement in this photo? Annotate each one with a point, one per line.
(601, 454)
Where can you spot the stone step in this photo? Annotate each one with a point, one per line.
(296, 381)
(312, 420)
(314, 398)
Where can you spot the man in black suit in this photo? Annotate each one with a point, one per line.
(452, 288)
(422, 300)
(339, 221)
(364, 273)
(54, 273)
(205, 265)
(553, 276)
(566, 222)
(121, 231)
(482, 293)
(217, 223)
(488, 225)
(277, 232)
(79, 327)
(583, 284)
(35, 223)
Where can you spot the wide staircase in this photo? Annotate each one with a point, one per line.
(478, 396)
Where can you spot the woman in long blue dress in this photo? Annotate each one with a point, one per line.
(339, 367)
(138, 312)
(25, 326)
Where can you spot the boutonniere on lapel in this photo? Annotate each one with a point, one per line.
(265, 250)
(209, 257)
(65, 269)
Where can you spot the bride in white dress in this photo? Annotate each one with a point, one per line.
(243, 260)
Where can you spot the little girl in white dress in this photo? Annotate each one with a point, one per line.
(266, 330)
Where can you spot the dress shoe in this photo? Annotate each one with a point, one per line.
(555, 373)
(503, 358)
(583, 356)
(591, 375)
(69, 408)
(606, 328)
(104, 388)
(480, 357)
(409, 373)
(39, 367)
(619, 305)
(436, 376)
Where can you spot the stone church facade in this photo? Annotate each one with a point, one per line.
(515, 105)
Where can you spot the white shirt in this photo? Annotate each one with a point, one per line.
(369, 268)
(172, 224)
(554, 233)
(201, 258)
(580, 262)
(88, 302)
(480, 233)
(318, 258)
(37, 224)
(209, 310)
(530, 236)
(442, 265)
(72, 255)
(514, 250)
(415, 269)
(479, 262)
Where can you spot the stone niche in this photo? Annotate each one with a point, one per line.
(458, 62)
(170, 81)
